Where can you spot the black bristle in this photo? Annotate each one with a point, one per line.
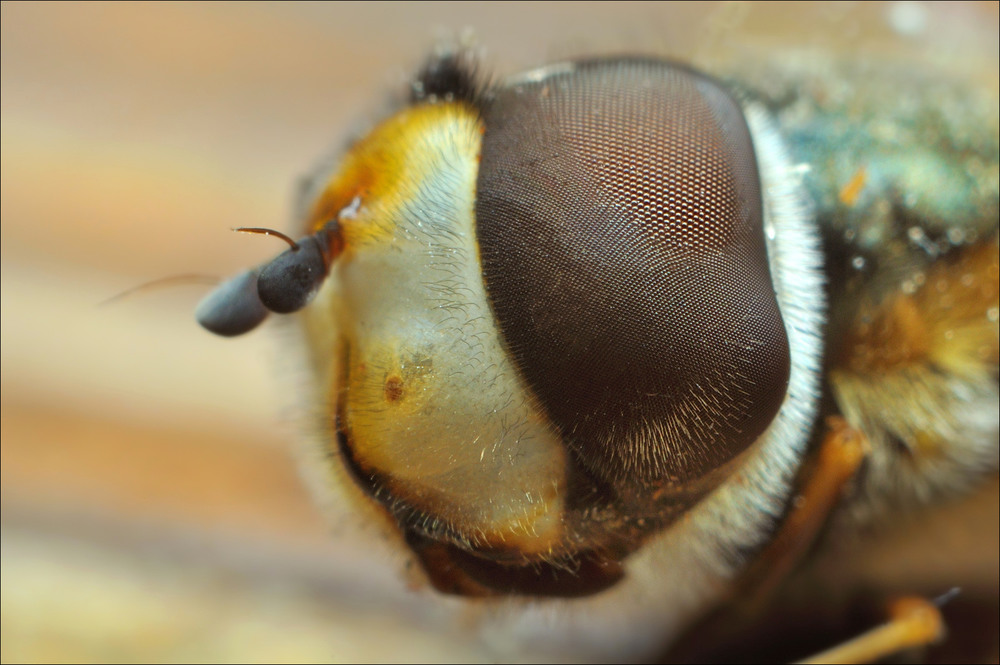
(451, 76)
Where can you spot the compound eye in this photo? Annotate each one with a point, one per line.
(619, 217)
(233, 307)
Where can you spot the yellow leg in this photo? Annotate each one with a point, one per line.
(821, 485)
(840, 454)
(913, 622)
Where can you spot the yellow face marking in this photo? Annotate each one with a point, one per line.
(379, 173)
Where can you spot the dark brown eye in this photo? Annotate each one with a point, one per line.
(619, 218)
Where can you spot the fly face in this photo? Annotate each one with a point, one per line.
(567, 329)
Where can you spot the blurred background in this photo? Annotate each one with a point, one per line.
(151, 507)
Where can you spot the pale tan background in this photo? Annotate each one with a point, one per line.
(151, 510)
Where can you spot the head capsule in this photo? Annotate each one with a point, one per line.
(555, 324)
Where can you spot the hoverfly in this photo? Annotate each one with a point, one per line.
(575, 333)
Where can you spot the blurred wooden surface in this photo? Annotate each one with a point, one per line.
(151, 508)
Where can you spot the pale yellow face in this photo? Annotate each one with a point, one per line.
(421, 385)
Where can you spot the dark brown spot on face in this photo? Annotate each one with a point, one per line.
(393, 389)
